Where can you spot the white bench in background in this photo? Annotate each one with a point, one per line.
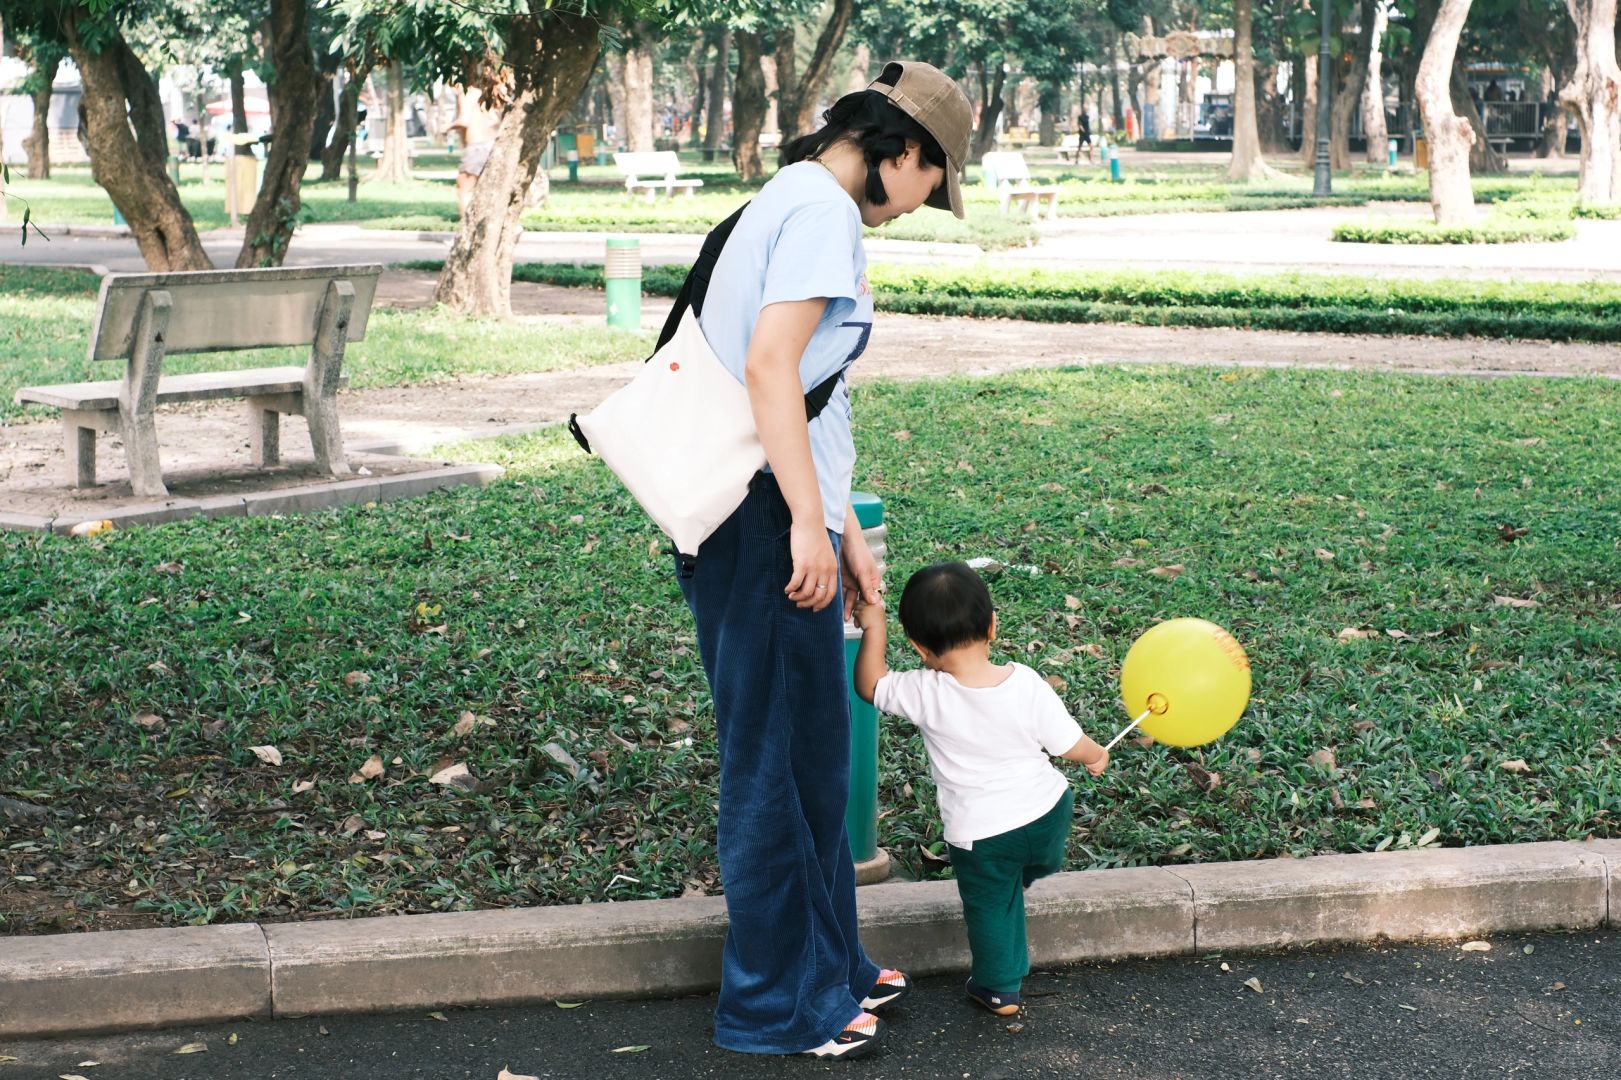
(1013, 183)
(140, 318)
(652, 170)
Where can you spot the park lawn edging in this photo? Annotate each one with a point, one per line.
(1513, 231)
(121, 980)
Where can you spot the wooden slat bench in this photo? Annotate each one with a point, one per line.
(650, 171)
(140, 318)
(1013, 183)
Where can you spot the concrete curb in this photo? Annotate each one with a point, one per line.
(74, 983)
(297, 500)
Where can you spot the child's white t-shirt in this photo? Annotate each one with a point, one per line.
(988, 746)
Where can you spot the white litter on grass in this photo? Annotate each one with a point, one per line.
(991, 566)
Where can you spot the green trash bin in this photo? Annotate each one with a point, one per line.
(861, 814)
(622, 274)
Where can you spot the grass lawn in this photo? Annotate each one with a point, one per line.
(1422, 570)
(45, 317)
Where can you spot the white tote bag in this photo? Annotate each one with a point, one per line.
(681, 437)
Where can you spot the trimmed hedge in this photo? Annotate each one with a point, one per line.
(1506, 230)
(1554, 311)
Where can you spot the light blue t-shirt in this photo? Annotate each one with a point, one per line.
(800, 238)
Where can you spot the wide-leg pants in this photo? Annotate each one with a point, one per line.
(793, 971)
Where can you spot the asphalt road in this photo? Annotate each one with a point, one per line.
(1534, 1006)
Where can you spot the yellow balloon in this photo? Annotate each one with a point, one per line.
(1192, 678)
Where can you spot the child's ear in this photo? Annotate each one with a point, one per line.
(922, 653)
(992, 636)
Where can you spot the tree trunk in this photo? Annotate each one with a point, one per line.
(1447, 135)
(1375, 13)
(1270, 115)
(1247, 164)
(715, 111)
(552, 55)
(990, 108)
(639, 138)
(1308, 111)
(348, 117)
(748, 107)
(1555, 120)
(395, 164)
(1594, 94)
(128, 148)
(768, 72)
(1047, 101)
(1114, 86)
(616, 98)
(1484, 159)
(239, 112)
(700, 97)
(1187, 100)
(799, 93)
(326, 109)
(38, 143)
(1348, 97)
(860, 63)
(275, 211)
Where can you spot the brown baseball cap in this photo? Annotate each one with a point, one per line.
(932, 98)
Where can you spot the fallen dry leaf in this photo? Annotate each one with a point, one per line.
(1325, 554)
(464, 724)
(1126, 561)
(1324, 757)
(1253, 984)
(1072, 602)
(356, 678)
(1352, 633)
(455, 775)
(302, 786)
(369, 771)
(193, 1048)
(149, 720)
(505, 1075)
(1057, 683)
(1517, 765)
(1515, 601)
(1477, 946)
(267, 754)
(1202, 776)
(1170, 572)
(351, 825)
(1092, 649)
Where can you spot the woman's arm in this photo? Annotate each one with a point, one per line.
(777, 397)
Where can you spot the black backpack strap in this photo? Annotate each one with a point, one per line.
(696, 285)
(816, 400)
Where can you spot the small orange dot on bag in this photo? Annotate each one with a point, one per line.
(674, 366)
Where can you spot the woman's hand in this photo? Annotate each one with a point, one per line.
(816, 570)
(861, 579)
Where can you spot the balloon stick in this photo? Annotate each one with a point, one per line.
(1129, 728)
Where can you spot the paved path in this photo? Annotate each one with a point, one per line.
(1249, 242)
(1362, 1013)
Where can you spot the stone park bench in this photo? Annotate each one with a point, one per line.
(1069, 149)
(140, 318)
(1011, 178)
(650, 171)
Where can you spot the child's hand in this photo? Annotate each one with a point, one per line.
(869, 616)
(1096, 767)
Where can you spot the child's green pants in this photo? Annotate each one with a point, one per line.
(991, 879)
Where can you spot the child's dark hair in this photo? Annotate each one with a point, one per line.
(877, 126)
(944, 606)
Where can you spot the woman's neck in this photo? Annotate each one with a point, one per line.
(844, 160)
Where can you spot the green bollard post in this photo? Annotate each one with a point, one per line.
(861, 813)
(1114, 163)
(574, 166)
(1393, 147)
(622, 274)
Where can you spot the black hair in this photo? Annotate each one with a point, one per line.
(878, 126)
(946, 605)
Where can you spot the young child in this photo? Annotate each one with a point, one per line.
(989, 729)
